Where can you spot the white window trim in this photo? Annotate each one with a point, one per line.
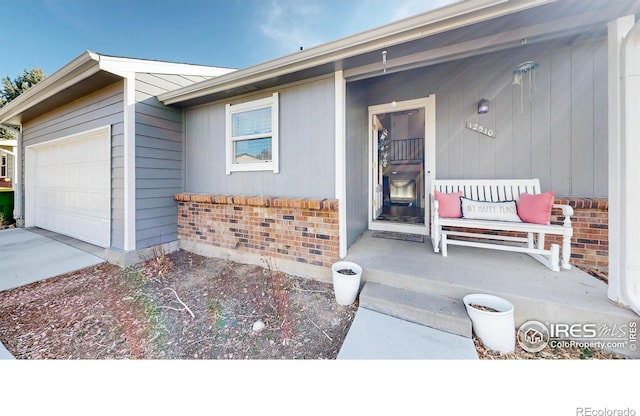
(4, 166)
(274, 164)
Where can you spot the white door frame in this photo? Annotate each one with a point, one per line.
(429, 106)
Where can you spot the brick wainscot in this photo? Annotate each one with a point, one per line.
(590, 221)
(300, 235)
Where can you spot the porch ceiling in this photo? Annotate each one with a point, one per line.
(567, 21)
(556, 21)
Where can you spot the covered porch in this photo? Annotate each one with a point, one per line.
(565, 297)
(567, 133)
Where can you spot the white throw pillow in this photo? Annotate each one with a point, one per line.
(488, 210)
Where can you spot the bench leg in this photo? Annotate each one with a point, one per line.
(541, 237)
(555, 257)
(435, 233)
(444, 244)
(435, 240)
(530, 240)
(566, 252)
(550, 258)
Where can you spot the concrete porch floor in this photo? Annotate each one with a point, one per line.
(565, 297)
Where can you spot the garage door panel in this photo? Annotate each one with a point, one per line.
(70, 187)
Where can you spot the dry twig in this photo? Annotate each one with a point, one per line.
(325, 334)
(181, 302)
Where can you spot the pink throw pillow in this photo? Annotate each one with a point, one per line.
(536, 208)
(448, 204)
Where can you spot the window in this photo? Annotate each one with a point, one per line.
(3, 166)
(252, 135)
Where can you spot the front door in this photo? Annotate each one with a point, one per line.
(402, 142)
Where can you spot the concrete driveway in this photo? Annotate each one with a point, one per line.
(26, 257)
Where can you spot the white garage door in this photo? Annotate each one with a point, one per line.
(68, 186)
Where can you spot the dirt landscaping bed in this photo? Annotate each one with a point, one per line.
(184, 306)
(177, 306)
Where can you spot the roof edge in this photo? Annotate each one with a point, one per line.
(90, 63)
(81, 67)
(116, 64)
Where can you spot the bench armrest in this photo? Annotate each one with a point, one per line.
(567, 211)
(435, 207)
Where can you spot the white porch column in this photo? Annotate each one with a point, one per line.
(630, 86)
(624, 171)
(129, 162)
(340, 89)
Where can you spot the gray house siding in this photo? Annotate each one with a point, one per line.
(560, 136)
(98, 109)
(357, 161)
(158, 158)
(306, 142)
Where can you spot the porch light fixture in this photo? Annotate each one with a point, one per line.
(483, 106)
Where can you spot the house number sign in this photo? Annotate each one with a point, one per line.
(487, 131)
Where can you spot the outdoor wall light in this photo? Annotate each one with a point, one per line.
(483, 106)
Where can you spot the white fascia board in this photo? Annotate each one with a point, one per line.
(441, 20)
(80, 68)
(119, 66)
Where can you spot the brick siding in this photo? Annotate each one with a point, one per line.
(590, 221)
(306, 230)
(302, 230)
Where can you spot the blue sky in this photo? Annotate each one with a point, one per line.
(48, 34)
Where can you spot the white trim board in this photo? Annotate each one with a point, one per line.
(340, 154)
(129, 111)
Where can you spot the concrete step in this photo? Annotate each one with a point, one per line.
(435, 311)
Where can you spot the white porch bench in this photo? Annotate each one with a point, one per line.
(496, 191)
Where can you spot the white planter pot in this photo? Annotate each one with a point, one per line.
(346, 286)
(496, 330)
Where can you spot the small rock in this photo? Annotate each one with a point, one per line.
(258, 326)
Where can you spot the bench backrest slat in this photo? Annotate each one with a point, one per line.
(488, 189)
